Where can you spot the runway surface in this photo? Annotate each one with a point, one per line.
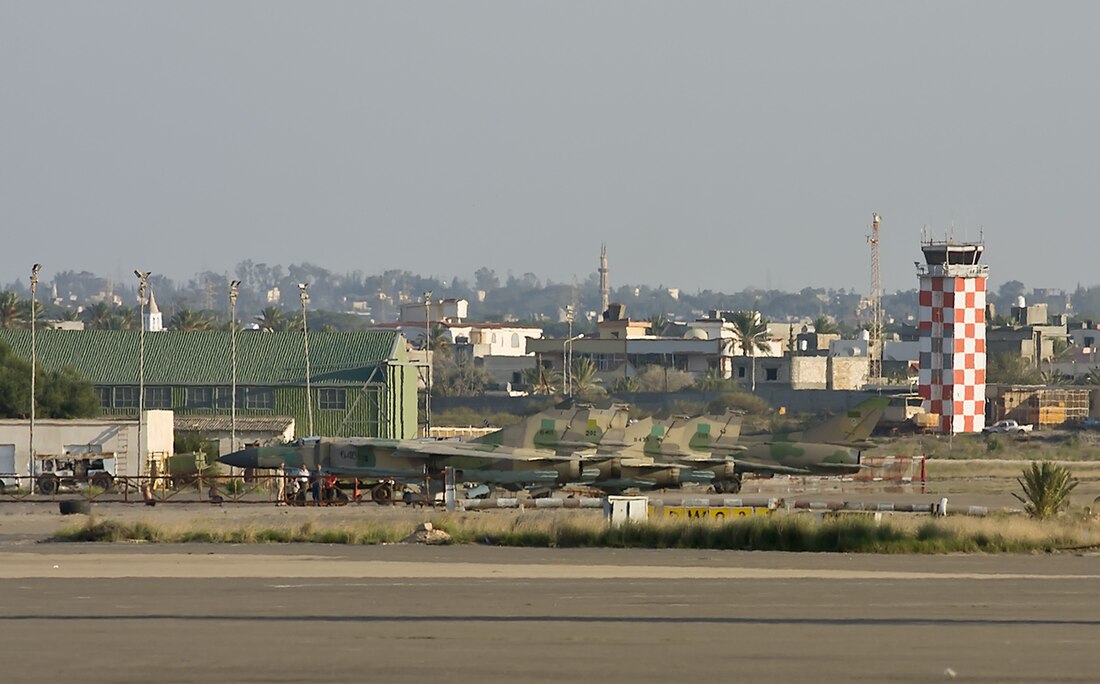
(190, 613)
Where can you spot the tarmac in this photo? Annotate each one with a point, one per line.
(401, 613)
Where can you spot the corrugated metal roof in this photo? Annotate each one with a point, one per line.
(110, 357)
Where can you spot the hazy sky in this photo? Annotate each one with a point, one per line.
(710, 144)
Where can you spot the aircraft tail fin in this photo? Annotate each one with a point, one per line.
(853, 426)
(703, 435)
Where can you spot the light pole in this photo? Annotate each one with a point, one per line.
(428, 360)
(233, 346)
(143, 277)
(34, 365)
(303, 289)
(564, 357)
(567, 356)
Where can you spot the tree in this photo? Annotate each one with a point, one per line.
(1012, 369)
(439, 340)
(582, 377)
(1046, 488)
(459, 379)
(823, 325)
(272, 319)
(542, 380)
(713, 381)
(657, 324)
(187, 320)
(58, 394)
(655, 378)
(12, 314)
(751, 331)
(98, 316)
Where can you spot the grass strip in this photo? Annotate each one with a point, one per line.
(796, 532)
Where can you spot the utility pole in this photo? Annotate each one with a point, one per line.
(143, 288)
(303, 290)
(233, 287)
(874, 341)
(34, 366)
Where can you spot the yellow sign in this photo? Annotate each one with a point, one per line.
(709, 512)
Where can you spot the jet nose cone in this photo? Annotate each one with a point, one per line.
(245, 458)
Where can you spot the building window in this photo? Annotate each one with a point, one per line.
(158, 397)
(223, 397)
(198, 397)
(257, 397)
(332, 399)
(1090, 341)
(771, 374)
(740, 371)
(515, 340)
(104, 396)
(126, 397)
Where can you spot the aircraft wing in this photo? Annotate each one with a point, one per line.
(768, 468)
(428, 450)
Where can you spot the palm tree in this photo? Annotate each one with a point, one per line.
(1093, 377)
(98, 316)
(1046, 488)
(271, 319)
(582, 376)
(542, 380)
(657, 324)
(751, 331)
(625, 385)
(186, 320)
(11, 311)
(439, 340)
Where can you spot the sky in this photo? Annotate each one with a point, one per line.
(710, 145)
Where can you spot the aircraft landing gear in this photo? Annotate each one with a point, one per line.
(729, 486)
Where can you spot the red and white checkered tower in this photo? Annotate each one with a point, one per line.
(952, 334)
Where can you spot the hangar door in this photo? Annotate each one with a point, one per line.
(7, 459)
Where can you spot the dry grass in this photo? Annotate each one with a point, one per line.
(855, 533)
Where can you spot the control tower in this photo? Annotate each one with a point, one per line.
(952, 334)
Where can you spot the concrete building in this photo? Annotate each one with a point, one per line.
(112, 438)
(952, 334)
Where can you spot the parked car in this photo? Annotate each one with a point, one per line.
(1009, 427)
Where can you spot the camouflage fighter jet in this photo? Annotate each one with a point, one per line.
(411, 461)
(620, 454)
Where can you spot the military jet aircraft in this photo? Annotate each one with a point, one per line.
(621, 456)
(410, 461)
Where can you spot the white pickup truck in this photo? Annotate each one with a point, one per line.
(1009, 427)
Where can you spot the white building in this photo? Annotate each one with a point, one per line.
(111, 437)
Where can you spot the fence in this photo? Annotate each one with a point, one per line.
(214, 489)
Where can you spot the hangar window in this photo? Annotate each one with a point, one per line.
(158, 397)
(199, 397)
(126, 397)
(333, 399)
(258, 397)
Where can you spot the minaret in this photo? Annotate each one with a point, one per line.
(952, 334)
(154, 320)
(605, 287)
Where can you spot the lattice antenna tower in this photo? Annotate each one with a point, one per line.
(874, 343)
